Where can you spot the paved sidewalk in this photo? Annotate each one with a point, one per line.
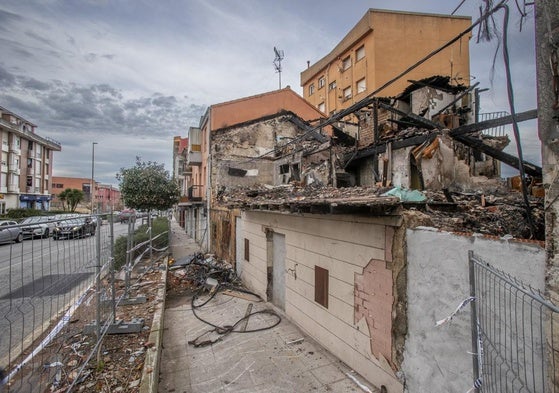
(281, 359)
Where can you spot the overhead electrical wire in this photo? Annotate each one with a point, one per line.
(369, 98)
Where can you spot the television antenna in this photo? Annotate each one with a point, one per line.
(277, 62)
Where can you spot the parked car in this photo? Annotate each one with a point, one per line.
(10, 232)
(37, 226)
(127, 215)
(74, 228)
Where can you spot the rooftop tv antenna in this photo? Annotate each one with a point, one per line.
(277, 63)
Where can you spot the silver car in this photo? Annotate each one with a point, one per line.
(10, 232)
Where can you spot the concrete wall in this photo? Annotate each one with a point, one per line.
(436, 359)
(356, 251)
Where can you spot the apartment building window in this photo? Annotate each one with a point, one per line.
(347, 93)
(311, 89)
(29, 181)
(321, 286)
(360, 53)
(361, 86)
(346, 63)
(332, 85)
(321, 82)
(29, 163)
(322, 107)
(30, 145)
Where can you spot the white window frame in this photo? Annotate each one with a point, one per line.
(361, 86)
(322, 107)
(321, 82)
(346, 63)
(311, 89)
(360, 53)
(347, 93)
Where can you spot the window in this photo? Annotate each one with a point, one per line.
(29, 181)
(30, 145)
(322, 107)
(29, 163)
(247, 253)
(321, 82)
(361, 86)
(332, 85)
(284, 168)
(346, 63)
(347, 93)
(321, 286)
(311, 89)
(360, 53)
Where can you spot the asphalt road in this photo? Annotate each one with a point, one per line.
(40, 278)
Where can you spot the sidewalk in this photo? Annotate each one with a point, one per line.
(281, 359)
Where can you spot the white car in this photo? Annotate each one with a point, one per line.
(38, 226)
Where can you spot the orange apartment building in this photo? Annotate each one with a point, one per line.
(380, 46)
(106, 195)
(26, 165)
(223, 115)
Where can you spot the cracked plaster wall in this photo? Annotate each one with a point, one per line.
(358, 254)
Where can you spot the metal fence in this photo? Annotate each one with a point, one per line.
(49, 282)
(494, 131)
(514, 332)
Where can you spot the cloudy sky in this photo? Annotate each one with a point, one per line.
(131, 74)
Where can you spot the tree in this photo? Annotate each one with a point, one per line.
(70, 198)
(147, 186)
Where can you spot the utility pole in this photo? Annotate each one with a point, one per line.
(547, 71)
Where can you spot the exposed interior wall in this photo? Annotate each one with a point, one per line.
(356, 323)
(436, 359)
(222, 233)
(233, 148)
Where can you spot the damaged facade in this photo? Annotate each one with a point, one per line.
(305, 214)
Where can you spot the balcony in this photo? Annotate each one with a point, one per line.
(194, 158)
(5, 146)
(15, 149)
(195, 193)
(13, 168)
(13, 188)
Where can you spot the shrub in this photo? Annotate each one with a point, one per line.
(158, 226)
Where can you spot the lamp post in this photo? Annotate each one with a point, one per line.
(92, 187)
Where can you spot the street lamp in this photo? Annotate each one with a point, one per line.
(92, 186)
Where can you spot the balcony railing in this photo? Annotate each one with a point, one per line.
(195, 193)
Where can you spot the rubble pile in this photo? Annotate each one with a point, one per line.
(499, 213)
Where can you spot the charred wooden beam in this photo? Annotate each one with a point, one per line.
(381, 148)
(529, 168)
(420, 120)
(501, 121)
(458, 97)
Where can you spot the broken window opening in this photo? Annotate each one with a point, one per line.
(284, 169)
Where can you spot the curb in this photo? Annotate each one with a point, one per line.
(150, 373)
